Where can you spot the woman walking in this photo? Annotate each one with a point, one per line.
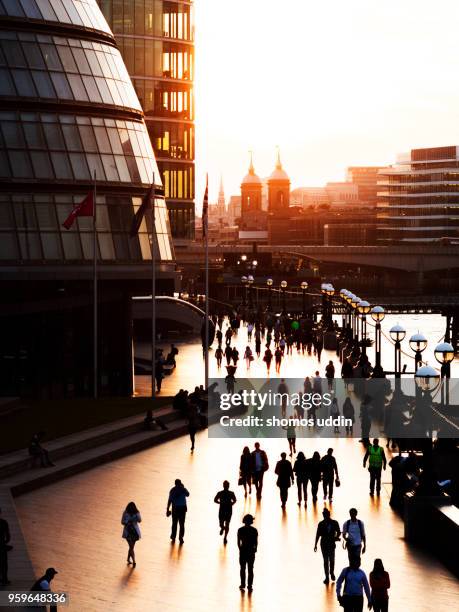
(219, 356)
(379, 583)
(248, 356)
(349, 413)
(334, 413)
(314, 471)
(301, 472)
(268, 358)
(245, 470)
(131, 531)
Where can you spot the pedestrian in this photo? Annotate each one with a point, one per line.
(235, 356)
(354, 535)
(37, 451)
(249, 332)
(177, 501)
(278, 358)
(219, 356)
(259, 466)
(257, 343)
(314, 471)
(268, 357)
(355, 582)
(349, 414)
(328, 532)
(228, 335)
(245, 470)
(347, 372)
(307, 385)
(329, 469)
(376, 461)
(226, 500)
(317, 383)
(365, 419)
(248, 356)
(330, 374)
(219, 337)
(285, 477)
(228, 354)
(5, 538)
(301, 472)
(131, 530)
(334, 413)
(291, 436)
(247, 542)
(282, 391)
(193, 424)
(319, 345)
(159, 372)
(379, 583)
(43, 584)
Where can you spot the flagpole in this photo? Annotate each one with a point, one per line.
(95, 357)
(153, 295)
(206, 331)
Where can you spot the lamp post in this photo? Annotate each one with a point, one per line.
(363, 308)
(378, 314)
(269, 282)
(283, 288)
(244, 290)
(418, 343)
(304, 286)
(444, 354)
(330, 292)
(250, 283)
(397, 333)
(427, 379)
(354, 301)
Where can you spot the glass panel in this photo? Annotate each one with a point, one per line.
(110, 168)
(102, 140)
(30, 9)
(61, 166)
(81, 61)
(67, 59)
(104, 90)
(4, 165)
(80, 168)
(41, 164)
(6, 216)
(121, 246)
(33, 54)
(20, 164)
(8, 246)
(62, 87)
(79, 91)
(106, 247)
(51, 245)
(30, 245)
(95, 163)
(46, 216)
(122, 168)
(72, 137)
(51, 57)
(43, 84)
(24, 84)
(91, 88)
(87, 137)
(12, 134)
(53, 136)
(13, 53)
(6, 84)
(71, 244)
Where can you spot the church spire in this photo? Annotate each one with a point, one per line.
(251, 168)
(278, 162)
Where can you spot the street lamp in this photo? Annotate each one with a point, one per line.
(269, 282)
(427, 378)
(378, 314)
(444, 354)
(363, 308)
(250, 283)
(283, 288)
(397, 333)
(304, 286)
(244, 291)
(418, 343)
(353, 303)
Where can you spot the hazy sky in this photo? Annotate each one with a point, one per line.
(332, 82)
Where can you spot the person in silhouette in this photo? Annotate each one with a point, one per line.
(131, 530)
(379, 583)
(376, 462)
(5, 538)
(268, 357)
(226, 500)
(247, 542)
(314, 471)
(355, 582)
(349, 413)
(259, 466)
(37, 451)
(301, 472)
(219, 356)
(328, 532)
(245, 470)
(329, 470)
(177, 501)
(354, 535)
(285, 477)
(43, 584)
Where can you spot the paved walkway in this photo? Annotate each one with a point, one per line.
(75, 526)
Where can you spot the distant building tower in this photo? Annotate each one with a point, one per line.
(221, 204)
(278, 189)
(253, 221)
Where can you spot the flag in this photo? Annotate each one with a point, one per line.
(205, 209)
(139, 215)
(83, 209)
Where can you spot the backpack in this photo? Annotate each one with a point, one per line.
(360, 529)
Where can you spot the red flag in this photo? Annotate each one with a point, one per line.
(83, 209)
(139, 215)
(205, 209)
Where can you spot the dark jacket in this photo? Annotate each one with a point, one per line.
(284, 473)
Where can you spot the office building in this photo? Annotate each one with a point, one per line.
(366, 179)
(155, 38)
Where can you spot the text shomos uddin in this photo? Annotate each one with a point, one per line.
(259, 401)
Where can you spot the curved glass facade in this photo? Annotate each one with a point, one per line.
(156, 39)
(69, 110)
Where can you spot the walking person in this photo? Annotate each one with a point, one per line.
(328, 532)
(354, 535)
(314, 472)
(278, 358)
(376, 462)
(131, 530)
(193, 424)
(226, 500)
(249, 332)
(228, 354)
(291, 436)
(219, 356)
(245, 470)
(379, 583)
(257, 343)
(319, 345)
(285, 477)
(282, 390)
(355, 582)
(330, 374)
(247, 542)
(235, 356)
(365, 419)
(268, 357)
(334, 413)
(248, 356)
(349, 414)
(329, 469)
(300, 470)
(259, 466)
(177, 501)
(5, 538)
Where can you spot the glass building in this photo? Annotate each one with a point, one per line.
(418, 198)
(69, 112)
(156, 38)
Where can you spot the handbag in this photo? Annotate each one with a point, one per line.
(337, 482)
(240, 482)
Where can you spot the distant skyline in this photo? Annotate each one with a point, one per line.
(334, 84)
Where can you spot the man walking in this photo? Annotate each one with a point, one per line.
(328, 533)
(5, 537)
(226, 500)
(285, 478)
(355, 582)
(247, 542)
(329, 469)
(177, 500)
(354, 535)
(376, 461)
(259, 466)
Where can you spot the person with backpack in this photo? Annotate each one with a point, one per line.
(131, 530)
(354, 535)
(328, 532)
(376, 462)
(379, 583)
(355, 582)
(43, 584)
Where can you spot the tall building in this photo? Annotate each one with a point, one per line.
(278, 189)
(366, 179)
(418, 198)
(156, 40)
(69, 110)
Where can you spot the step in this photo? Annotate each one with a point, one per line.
(92, 457)
(19, 461)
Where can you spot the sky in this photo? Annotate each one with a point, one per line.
(333, 83)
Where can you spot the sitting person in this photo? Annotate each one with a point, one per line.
(150, 422)
(36, 450)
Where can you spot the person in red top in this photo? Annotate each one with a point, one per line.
(379, 583)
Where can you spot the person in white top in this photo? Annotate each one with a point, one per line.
(354, 535)
(131, 531)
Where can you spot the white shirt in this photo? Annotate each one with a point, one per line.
(352, 528)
